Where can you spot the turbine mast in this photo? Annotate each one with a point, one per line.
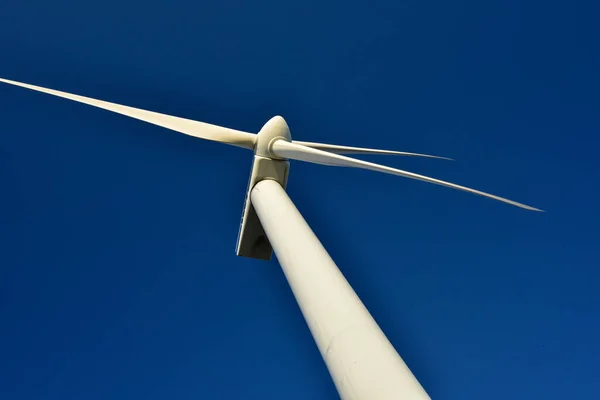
(362, 362)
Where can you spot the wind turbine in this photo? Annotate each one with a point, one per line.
(362, 362)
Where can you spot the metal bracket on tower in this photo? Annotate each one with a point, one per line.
(252, 240)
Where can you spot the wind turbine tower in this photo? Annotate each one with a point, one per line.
(361, 360)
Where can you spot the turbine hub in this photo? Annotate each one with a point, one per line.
(275, 129)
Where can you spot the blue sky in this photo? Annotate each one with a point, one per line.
(118, 277)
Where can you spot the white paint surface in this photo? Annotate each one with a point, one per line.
(362, 362)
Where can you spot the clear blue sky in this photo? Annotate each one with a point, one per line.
(118, 278)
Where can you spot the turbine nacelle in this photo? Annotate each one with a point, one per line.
(252, 239)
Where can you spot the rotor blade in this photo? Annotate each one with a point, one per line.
(336, 149)
(294, 151)
(187, 126)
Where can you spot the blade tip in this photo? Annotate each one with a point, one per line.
(534, 209)
(437, 157)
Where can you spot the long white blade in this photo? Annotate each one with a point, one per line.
(337, 149)
(295, 151)
(187, 126)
